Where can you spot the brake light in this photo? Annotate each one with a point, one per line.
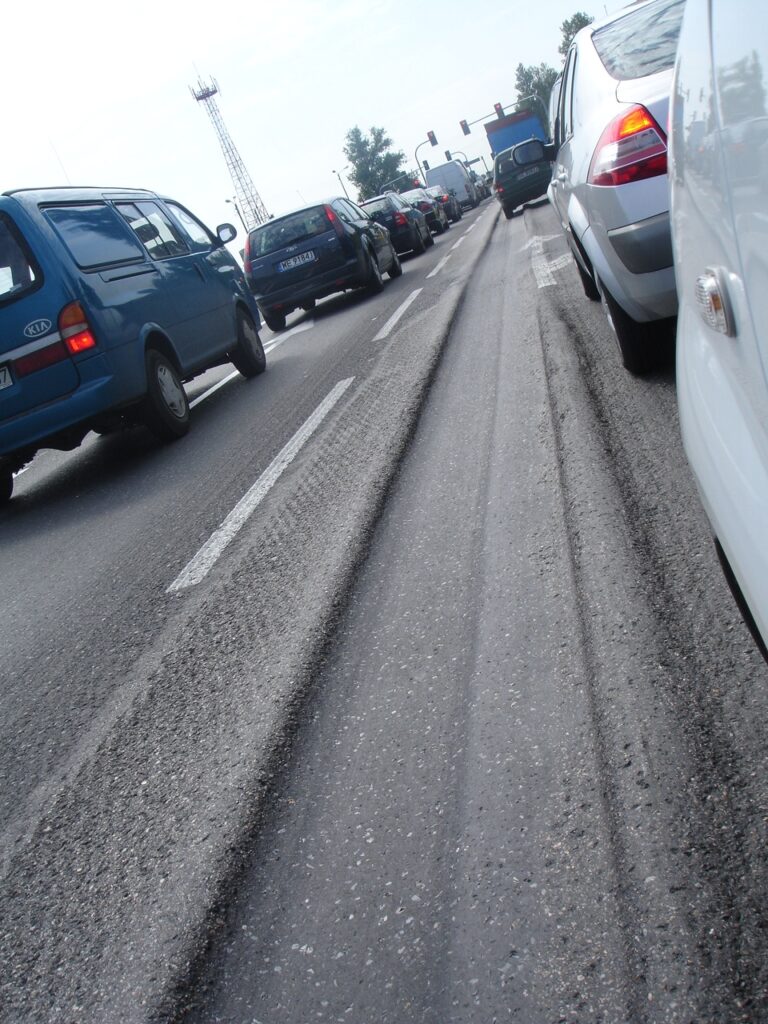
(75, 330)
(400, 218)
(631, 148)
(444, 198)
(334, 221)
(247, 255)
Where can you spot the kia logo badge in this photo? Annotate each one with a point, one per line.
(37, 328)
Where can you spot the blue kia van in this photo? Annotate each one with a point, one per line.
(109, 300)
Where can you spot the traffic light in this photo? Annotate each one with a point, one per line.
(426, 165)
(432, 138)
(448, 155)
(464, 127)
(499, 109)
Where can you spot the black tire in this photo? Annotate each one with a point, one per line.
(430, 239)
(441, 228)
(165, 409)
(419, 245)
(587, 283)
(248, 354)
(308, 305)
(374, 280)
(395, 267)
(6, 486)
(274, 321)
(509, 212)
(638, 343)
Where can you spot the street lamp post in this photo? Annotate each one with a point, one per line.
(341, 183)
(237, 211)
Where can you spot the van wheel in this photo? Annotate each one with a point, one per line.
(509, 212)
(165, 409)
(430, 239)
(248, 354)
(395, 267)
(308, 305)
(274, 321)
(6, 485)
(419, 245)
(374, 280)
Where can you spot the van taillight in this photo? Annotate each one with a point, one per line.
(631, 148)
(40, 359)
(75, 330)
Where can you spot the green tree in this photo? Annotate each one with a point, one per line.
(372, 164)
(535, 80)
(570, 27)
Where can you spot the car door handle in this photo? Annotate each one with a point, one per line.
(562, 177)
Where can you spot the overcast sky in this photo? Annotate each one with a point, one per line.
(99, 95)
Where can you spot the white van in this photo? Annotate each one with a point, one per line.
(455, 176)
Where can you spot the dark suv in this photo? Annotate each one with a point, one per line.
(292, 261)
(407, 226)
(515, 183)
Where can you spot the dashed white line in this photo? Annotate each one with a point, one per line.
(280, 338)
(200, 565)
(439, 266)
(386, 329)
(210, 391)
(456, 246)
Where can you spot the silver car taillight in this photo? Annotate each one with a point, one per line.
(631, 148)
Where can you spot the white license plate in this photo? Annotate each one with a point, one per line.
(296, 261)
(5, 377)
(527, 174)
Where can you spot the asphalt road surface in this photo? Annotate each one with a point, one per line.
(532, 782)
(460, 724)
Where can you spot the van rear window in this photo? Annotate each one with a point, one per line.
(94, 234)
(18, 271)
(641, 43)
(276, 234)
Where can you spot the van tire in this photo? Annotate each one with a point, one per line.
(419, 245)
(509, 212)
(395, 267)
(248, 354)
(430, 240)
(6, 486)
(165, 409)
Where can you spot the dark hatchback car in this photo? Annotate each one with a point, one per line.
(448, 201)
(294, 260)
(516, 180)
(407, 226)
(437, 219)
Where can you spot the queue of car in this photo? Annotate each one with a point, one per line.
(673, 232)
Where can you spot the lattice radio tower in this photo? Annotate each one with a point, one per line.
(253, 210)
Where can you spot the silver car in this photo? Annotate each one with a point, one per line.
(719, 179)
(609, 182)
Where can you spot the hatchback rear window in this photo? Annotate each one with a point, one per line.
(377, 206)
(642, 42)
(95, 235)
(18, 271)
(289, 230)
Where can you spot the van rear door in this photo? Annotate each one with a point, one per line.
(35, 364)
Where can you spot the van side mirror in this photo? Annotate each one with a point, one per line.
(226, 232)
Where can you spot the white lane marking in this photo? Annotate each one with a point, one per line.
(201, 564)
(385, 330)
(267, 348)
(439, 266)
(541, 266)
(280, 338)
(537, 242)
(210, 391)
(472, 226)
(456, 246)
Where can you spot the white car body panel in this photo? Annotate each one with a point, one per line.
(719, 189)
